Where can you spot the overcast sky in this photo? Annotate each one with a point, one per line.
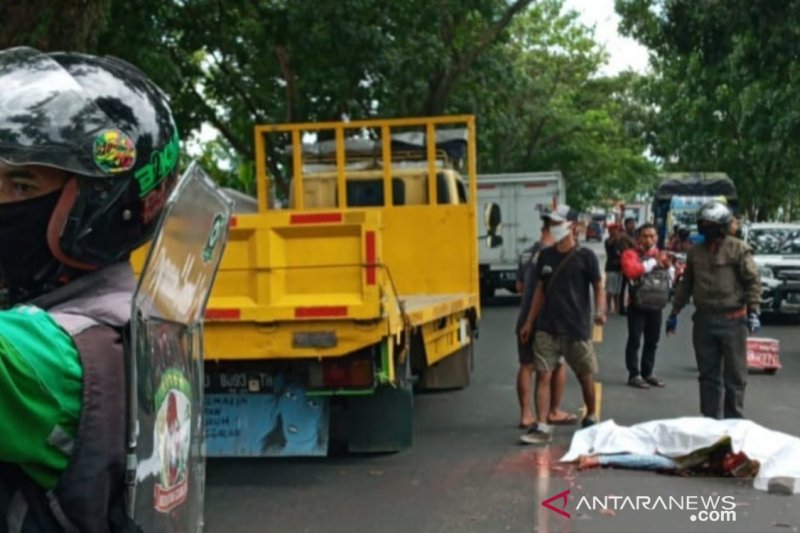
(623, 52)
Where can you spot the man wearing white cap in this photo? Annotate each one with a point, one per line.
(562, 303)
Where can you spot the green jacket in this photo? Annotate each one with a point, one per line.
(41, 381)
(719, 282)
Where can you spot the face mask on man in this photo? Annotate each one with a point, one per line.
(25, 257)
(711, 232)
(561, 231)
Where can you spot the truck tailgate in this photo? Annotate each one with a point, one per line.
(290, 266)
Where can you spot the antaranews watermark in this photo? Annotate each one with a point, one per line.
(700, 508)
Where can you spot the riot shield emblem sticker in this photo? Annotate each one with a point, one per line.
(217, 228)
(173, 431)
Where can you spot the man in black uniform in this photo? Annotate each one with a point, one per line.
(722, 280)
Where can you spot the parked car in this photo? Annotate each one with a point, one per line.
(594, 231)
(776, 250)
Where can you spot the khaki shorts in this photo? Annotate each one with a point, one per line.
(579, 354)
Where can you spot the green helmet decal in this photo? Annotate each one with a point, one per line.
(162, 163)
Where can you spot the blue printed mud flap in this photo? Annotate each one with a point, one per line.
(278, 421)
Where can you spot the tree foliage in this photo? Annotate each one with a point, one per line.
(726, 91)
(549, 109)
(528, 70)
(49, 26)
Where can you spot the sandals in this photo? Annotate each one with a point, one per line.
(567, 420)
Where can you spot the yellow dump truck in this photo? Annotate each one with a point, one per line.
(363, 287)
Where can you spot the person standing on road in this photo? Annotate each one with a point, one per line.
(527, 281)
(722, 279)
(561, 311)
(628, 238)
(642, 265)
(613, 269)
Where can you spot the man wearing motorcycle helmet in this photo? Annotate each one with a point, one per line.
(88, 156)
(722, 280)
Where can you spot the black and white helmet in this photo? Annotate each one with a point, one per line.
(106, 124)
(715, 212)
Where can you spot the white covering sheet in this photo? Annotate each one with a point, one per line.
(779, 453)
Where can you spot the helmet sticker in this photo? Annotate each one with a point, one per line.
(114, 151)
(162, 163)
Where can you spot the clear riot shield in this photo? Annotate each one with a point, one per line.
(166, 460)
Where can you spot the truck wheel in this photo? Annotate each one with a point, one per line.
(452, 372)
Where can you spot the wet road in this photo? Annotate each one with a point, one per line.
(466, 472)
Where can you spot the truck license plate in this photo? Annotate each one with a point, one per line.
(238, 382)
(314, 339)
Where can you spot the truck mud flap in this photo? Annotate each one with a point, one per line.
(452, 372)
(381, 422)
(278, 421)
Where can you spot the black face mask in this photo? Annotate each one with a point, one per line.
(26, 264)
(711, 232)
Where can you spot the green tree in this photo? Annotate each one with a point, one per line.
(526, 68)
(542, 105)
(52, 26)
(242, 63)
(726, 91)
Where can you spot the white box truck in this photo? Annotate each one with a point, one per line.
(521, 198)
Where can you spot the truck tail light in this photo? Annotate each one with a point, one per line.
(353, 372)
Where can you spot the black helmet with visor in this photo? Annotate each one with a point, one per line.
(110, 128)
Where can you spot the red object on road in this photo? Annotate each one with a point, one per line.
(763, 354)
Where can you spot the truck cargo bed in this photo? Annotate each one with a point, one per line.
(422, 308)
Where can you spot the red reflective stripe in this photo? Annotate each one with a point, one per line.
(371, 256)
(223, 314)
(315, 218)
(234, 222)
(535, 185)
(487, 186)
(320, 312)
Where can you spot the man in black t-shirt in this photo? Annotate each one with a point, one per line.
(526, 284)
(562, 312)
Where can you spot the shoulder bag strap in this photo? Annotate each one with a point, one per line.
(560, 267)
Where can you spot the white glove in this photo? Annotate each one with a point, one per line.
(649, 265)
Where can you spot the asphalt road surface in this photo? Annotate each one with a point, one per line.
(467, 473)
